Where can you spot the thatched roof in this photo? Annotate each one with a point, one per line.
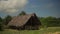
(20, 20)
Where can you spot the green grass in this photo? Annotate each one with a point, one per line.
(41, 31)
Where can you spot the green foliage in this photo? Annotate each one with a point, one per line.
(1, 27)
(22, 13)
(0, 19)
(1, 24)
(7, 19)
(43, 21)
(50, 21)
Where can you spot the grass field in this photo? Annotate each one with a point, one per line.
(49, 30)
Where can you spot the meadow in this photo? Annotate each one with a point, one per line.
(49, 30)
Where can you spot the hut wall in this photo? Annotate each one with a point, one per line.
(32, 24)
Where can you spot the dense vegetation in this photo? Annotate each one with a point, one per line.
(46, 22)
(50, 21)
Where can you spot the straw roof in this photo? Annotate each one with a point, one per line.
(20, 20)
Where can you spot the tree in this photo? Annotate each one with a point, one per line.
(50, 21)
(22, 13)
(0, 19)
(1, 23)
(43, 21)
(7, 19)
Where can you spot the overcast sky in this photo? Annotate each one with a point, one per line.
(42, 8)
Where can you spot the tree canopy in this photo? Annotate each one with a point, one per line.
(7, 19)
(1, 23)
(50, 21)
(22, 13)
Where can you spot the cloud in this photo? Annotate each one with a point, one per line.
(12, 6)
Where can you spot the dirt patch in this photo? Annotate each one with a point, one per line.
(54, 33)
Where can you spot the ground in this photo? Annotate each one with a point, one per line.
(49, 30)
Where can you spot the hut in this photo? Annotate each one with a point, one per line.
(25, 22)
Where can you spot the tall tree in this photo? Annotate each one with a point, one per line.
(22, 13)
(7, 19)
(1, 23)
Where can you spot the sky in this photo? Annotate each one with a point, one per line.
(42, 8)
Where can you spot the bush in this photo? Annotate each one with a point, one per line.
(1, 27)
